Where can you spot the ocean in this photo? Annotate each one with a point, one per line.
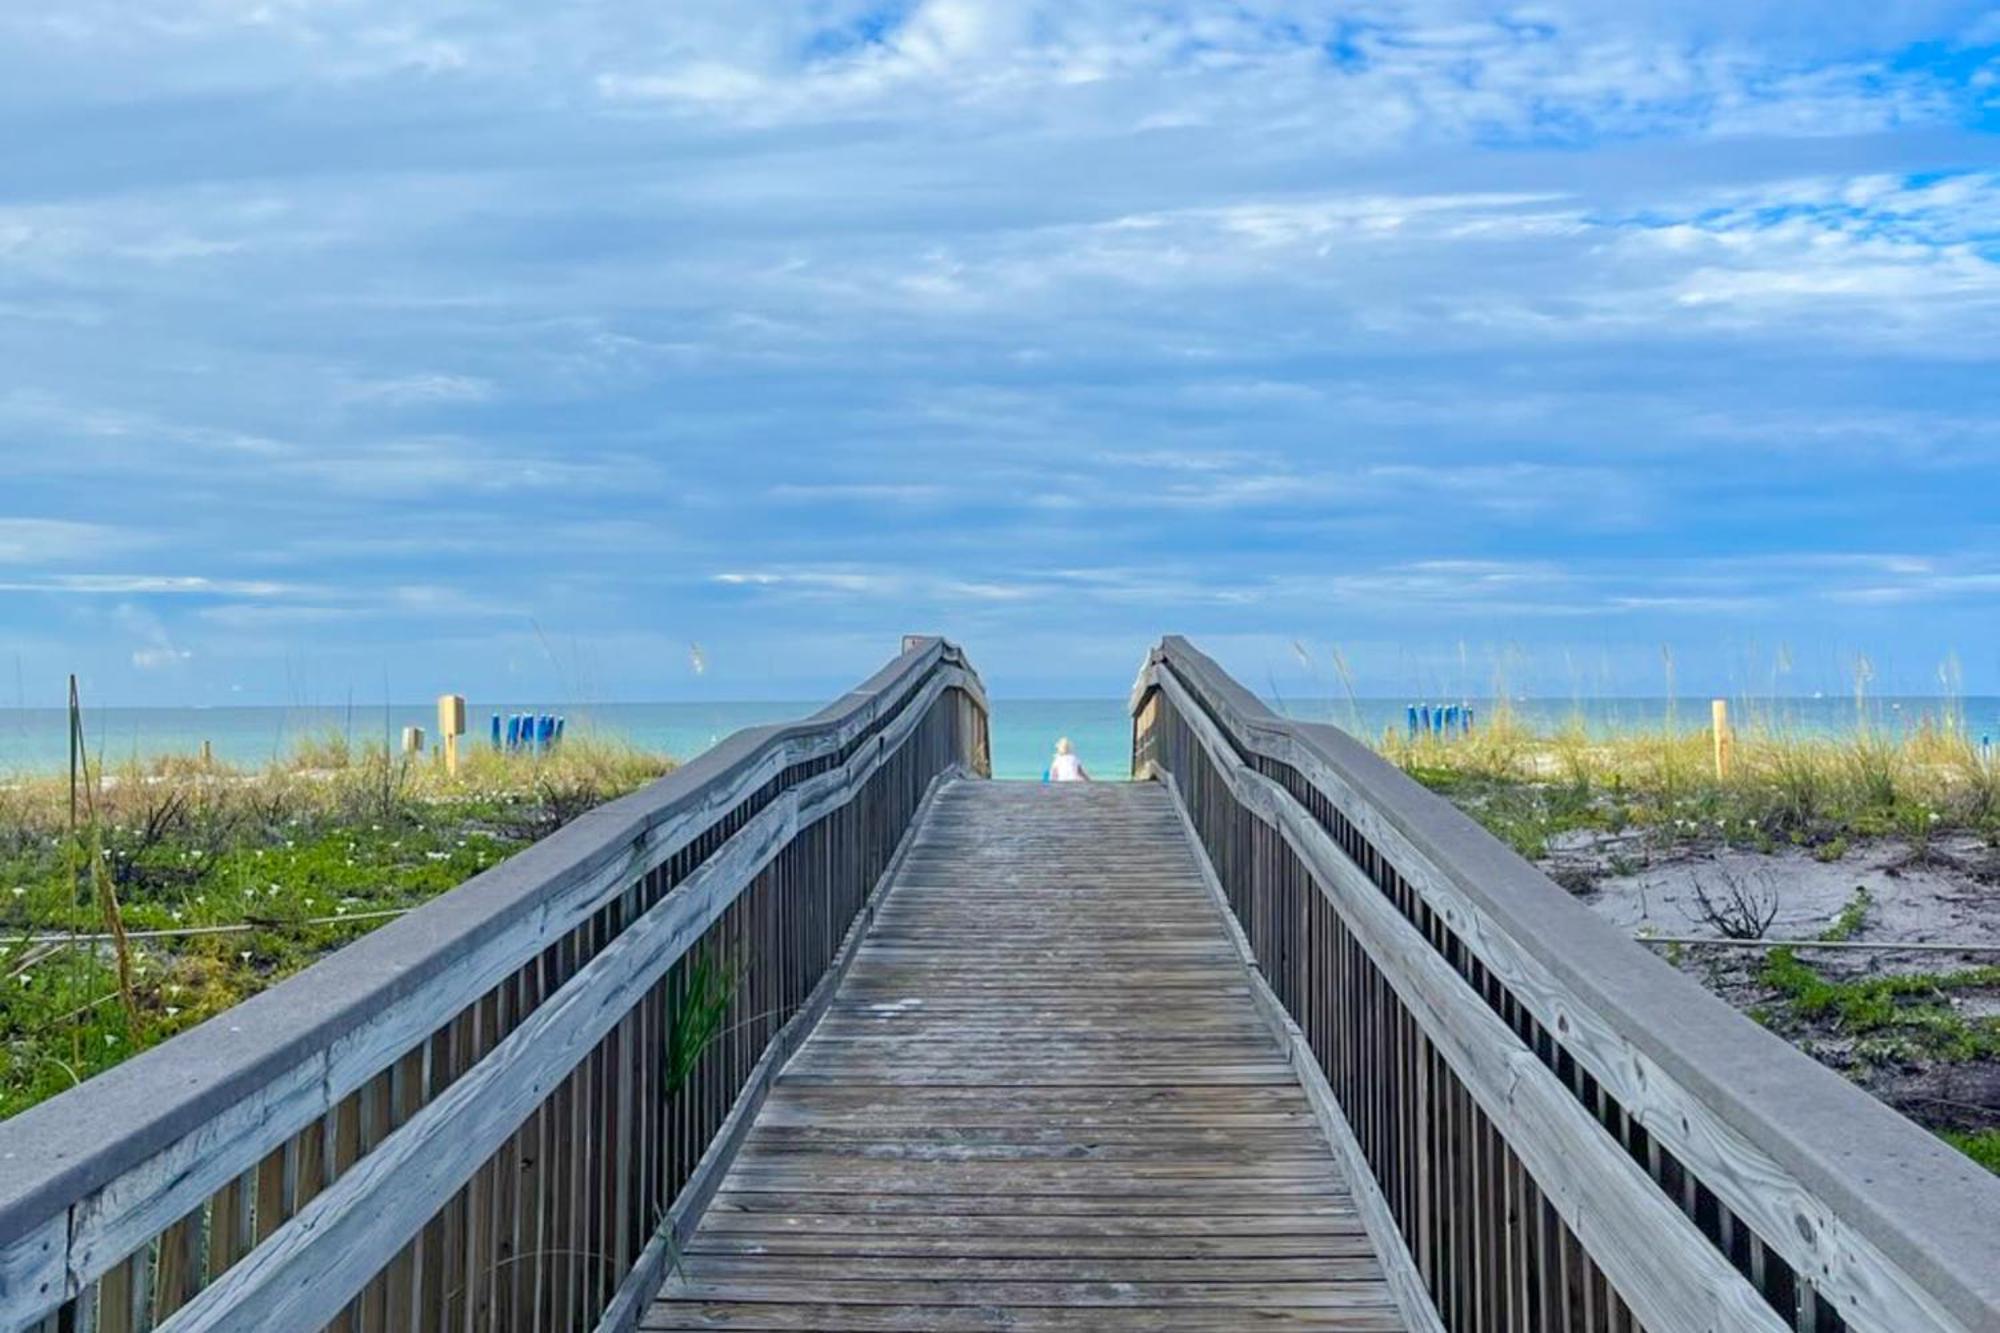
(1024, 730)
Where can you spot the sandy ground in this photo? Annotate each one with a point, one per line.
(1951, 895)
(1947, 893)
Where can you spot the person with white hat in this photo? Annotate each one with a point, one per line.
(1066, 767)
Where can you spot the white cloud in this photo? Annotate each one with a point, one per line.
(1408, 70)
(455, 465)
(158, 651)
(99, 585)
(257, 616)
(699, 81)
(884, 492)
(38, 541)
(1066, 319)
(418, 389)
(822, 582)
(159, 657)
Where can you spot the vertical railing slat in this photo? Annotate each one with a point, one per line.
(543, 1232)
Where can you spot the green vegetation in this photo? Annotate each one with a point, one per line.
(1782, 787)
(186, 887)
(1823, 794)
(1525, 815)
(1897, 1019)
(1852, 917)
(699, 1009)
(1981, 1145)
(1897, 1015)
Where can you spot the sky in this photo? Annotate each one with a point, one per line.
(599, 350)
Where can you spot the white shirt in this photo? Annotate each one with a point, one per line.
(1065, 768)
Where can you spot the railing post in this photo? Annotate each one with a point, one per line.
(1768, 1193)
(376, 1109)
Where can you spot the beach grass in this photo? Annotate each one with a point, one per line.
(1782, 785)
(1781, 789)
(184, 887)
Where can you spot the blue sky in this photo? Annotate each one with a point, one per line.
(356, 346)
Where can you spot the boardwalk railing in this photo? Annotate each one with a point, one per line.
(1548, 1128)
(503, 1110)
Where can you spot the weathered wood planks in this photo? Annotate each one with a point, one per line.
(1564, 1131)
(1042, 1099)
(497, 1142)
(93, 1182)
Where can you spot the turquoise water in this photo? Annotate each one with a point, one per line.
(36, 739)
(1024, 730)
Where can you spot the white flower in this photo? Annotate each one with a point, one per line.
(245, 955)
(172, 1012)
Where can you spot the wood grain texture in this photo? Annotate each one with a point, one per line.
(1812, 1236)
(1399, 1267)
(1663, 1065)
(89, 1179)
(644, 1276)
(428, 1225)
(1041, 1098)
(1663, 1266)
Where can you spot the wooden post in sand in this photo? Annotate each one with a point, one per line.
(1724, 742)
(451, 725)
(75, 745)
(413, 740)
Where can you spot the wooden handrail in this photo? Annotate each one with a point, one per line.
(1527, 1087)
(186, 1186)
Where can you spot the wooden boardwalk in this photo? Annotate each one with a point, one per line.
(995, 1060)
(1042, 1099)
